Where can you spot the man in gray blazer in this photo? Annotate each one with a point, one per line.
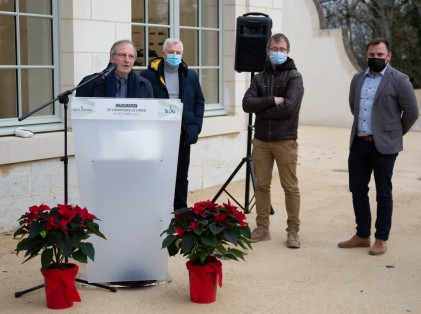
(384, 106)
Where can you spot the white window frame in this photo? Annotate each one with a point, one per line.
(211, 109)
(44, 123)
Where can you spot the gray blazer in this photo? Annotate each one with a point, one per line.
(395, 109)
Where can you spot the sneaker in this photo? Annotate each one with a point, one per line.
(260, 234)
(293, 240)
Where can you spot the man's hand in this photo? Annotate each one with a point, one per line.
(279, 100)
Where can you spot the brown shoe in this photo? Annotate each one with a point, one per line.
(355, 241)
(293, 240)
(260, 234)
(379, 247)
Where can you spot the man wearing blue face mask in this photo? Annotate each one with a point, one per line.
(171, 78)
(274, 96)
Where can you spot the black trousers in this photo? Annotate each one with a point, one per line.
(182, 182)
(363, 160)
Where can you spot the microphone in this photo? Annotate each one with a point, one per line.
(110, 69)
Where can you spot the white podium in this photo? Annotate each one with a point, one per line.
(126, 157)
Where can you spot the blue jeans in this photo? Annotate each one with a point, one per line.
(363, 160)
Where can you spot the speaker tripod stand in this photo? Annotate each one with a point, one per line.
(248, 161)
(250, 175)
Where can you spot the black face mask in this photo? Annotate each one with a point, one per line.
(376, 64)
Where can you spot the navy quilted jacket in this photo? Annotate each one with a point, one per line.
(190, 93)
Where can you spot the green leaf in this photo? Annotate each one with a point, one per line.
(245, 231)
(236, 252)
(203, 256)
(88, 249)
(21, 245)
(33, 243)
(168, 240)
(43, 233)
(76, 239)
(182, 211)
(47, 258)
(221, 249)
(199, 230)
(166, 231)
(246, 241)
(210, 240)
(65, 244)
(241, 243)
(231, 236)
(20, 231)
(31, 256)
(231, 256)
(188, 242)
(93, 228)
(35, 229)
(173, 249)
(215, 229)
(80, 257)
(100, 234)
(21, 218)
(203, 221)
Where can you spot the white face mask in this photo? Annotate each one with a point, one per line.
(278, 57)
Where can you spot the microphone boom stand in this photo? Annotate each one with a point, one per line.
(63, 98)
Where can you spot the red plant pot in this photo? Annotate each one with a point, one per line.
(203, 281)
(60, 286)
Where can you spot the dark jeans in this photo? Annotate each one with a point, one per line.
(181, 182)
(363, 160)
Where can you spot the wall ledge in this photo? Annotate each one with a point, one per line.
(51, 144)
(40, 146)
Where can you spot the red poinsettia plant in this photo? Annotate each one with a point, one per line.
(57, 233)
(207, 231)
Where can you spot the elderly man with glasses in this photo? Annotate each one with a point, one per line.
(124, 82)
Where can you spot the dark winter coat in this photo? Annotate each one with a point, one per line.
(275, 122)
(137, 87)
(191, 96)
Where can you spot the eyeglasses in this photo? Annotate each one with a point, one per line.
(124, 55)
(274, 49)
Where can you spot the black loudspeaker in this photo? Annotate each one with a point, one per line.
(253, 32)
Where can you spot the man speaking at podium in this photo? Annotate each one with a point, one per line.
(122, 82)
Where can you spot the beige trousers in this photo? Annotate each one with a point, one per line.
(285, 153)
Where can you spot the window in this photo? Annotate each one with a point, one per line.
(197, 23)
(28, 64)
